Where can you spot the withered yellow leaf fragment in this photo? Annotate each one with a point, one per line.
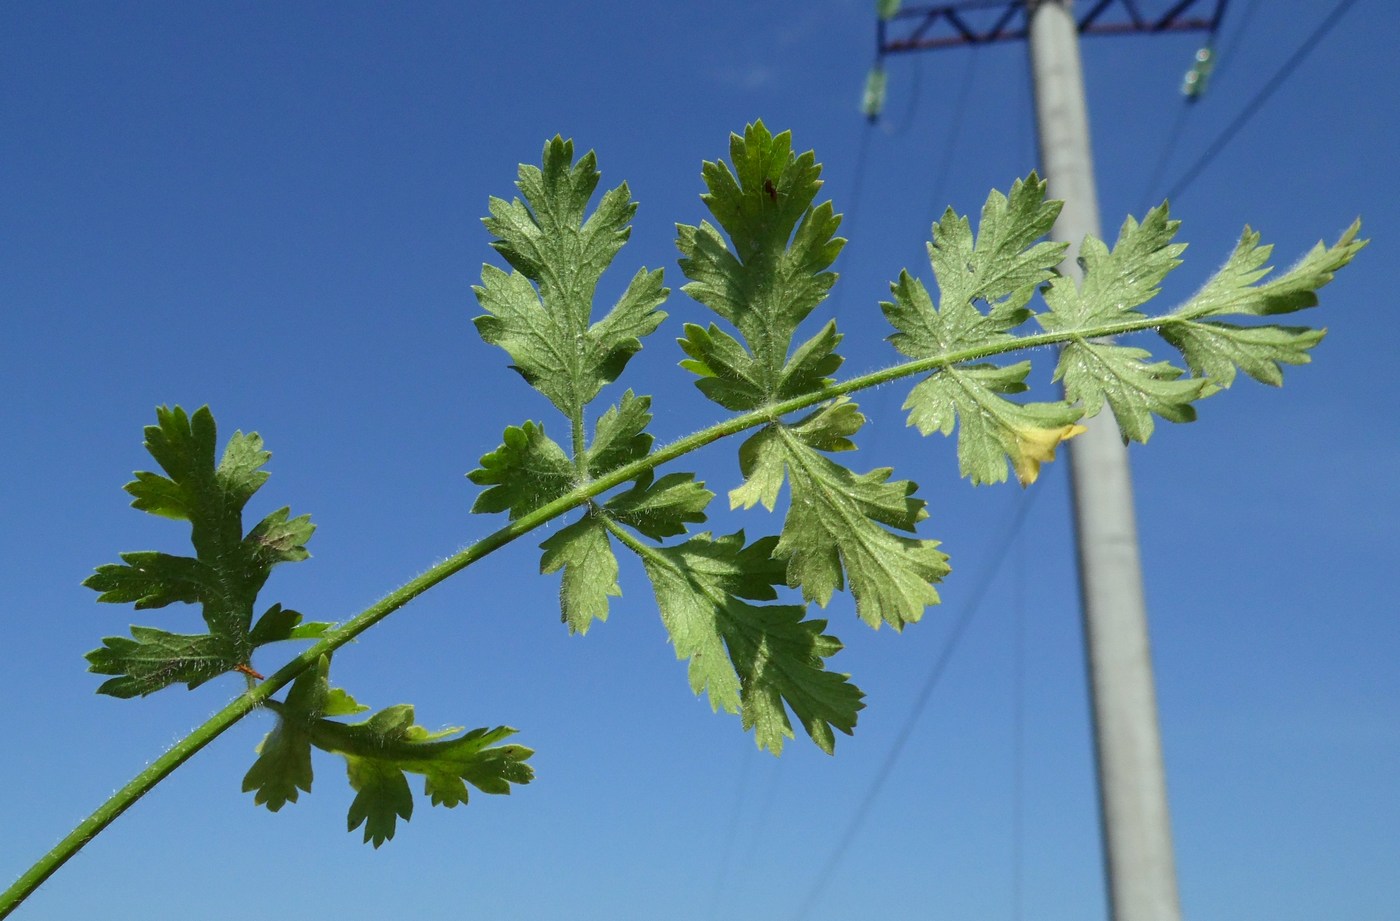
(1035, 446)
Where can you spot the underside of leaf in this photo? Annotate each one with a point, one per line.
(225, 575)
(757, 660)
(378, 752)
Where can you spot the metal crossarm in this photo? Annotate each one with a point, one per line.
(980, 22)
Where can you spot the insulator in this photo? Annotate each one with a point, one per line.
(1193, 85)
(872, 103)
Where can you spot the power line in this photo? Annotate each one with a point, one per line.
(848, 217)
(912, 105)
(1018, 734)
(1188, 102)
(1227, 54)
(953, 134)
(1254, 105)
(935, 675)
(1168, 149)
(728, 851)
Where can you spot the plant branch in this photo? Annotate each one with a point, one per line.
(255, 696)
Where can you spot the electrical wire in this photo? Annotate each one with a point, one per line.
(913, 103)
(1163, 161)
(848, 217)
(726, 856)
(1289, 67)
(1018, 734)
(1227, 53)
(950, 139)
(935, 675)
(1187, 104)
(937, 185)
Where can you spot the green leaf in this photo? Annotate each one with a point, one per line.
(771, 280)
(283, 765)
(476, 759)
(527, 471)
(1001, 268)
(1095, 371)
(620, 435)
(378, 752)
(282, 769)
(993, 430)
(836, 531)
(811, 365)
(590, 571)
(338, 702)
(381, 798)
(225, 575)
(279, 623)
(661, 508)
(280, 539)
(732, 378)
(765, 280)
(381, 749)
(151, 579)
(1132, 384)
(1216, 350)
(1115, 282)
(1233, 290)
(728, 373)
(757, 660)
(154, 659)
(541, 312)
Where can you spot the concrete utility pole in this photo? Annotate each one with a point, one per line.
(1139, 864)
(1137, 840)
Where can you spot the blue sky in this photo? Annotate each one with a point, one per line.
(274, 209)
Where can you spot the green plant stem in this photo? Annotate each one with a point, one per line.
(250, 700)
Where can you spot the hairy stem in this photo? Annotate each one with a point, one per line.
(254, 697)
